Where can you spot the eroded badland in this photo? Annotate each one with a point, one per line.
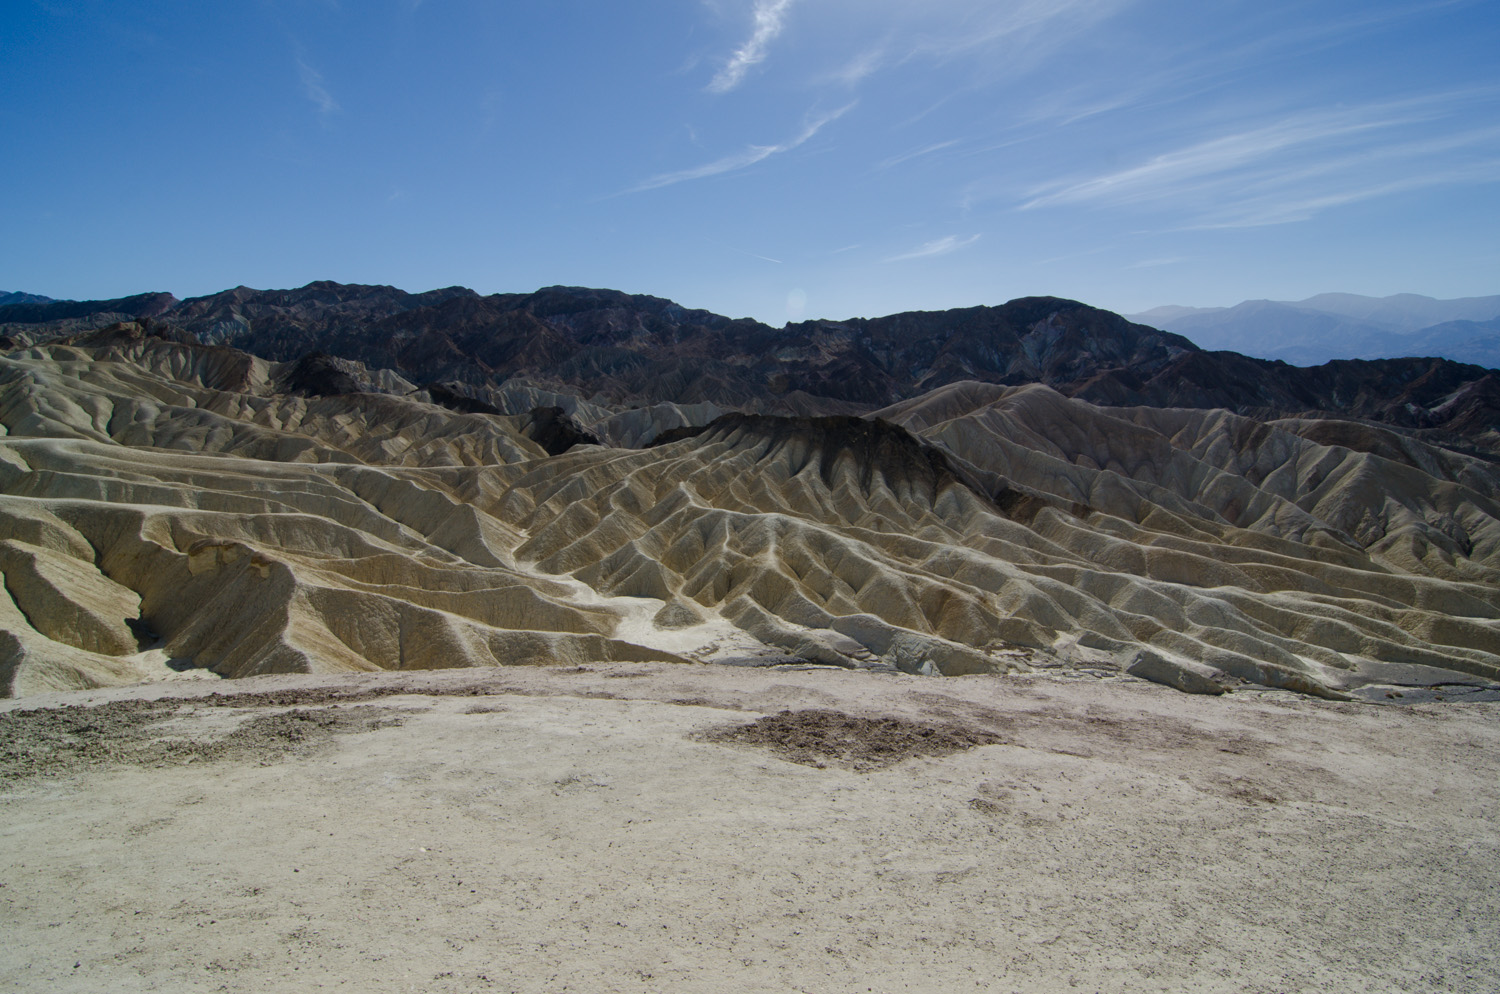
(1043, 504)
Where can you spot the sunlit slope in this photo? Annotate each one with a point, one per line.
(1379, 549)
(151, 521)
(1107, 532)
(171, 507)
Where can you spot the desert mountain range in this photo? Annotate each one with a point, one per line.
(614, 350)
(1343, 326)
(356, 478)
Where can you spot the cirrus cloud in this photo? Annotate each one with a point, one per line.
(770, 18)
(939, 246)
(740, 160)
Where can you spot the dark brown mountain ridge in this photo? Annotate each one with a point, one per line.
(626, 349)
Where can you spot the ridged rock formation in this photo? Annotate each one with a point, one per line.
(179, 509)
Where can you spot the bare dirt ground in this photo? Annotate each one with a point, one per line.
(650, 827)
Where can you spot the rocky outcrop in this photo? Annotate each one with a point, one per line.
(319, 374)
(555, 431)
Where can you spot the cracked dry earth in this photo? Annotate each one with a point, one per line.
(645, 827)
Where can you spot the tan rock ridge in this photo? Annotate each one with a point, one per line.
(170, 509)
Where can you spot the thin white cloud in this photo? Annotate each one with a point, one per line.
(1296, 167)
(941, 246)
(859, 68)
(1154, 263)
(312, 86)
(1032, 28)
(740, 160)
(1268, 211)
(896, 160)
(1193, 71)
(770, 18)
(1161, 174)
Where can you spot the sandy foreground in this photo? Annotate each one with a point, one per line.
(614, 828)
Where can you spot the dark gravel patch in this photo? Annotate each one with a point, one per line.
(821, 738)
(67, 740)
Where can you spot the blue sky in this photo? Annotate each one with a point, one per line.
(777, 159)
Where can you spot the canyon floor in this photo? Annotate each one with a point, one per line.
(647, 826)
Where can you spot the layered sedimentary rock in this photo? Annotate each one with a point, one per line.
(174, 508)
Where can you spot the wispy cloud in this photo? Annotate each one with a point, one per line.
(1296, 166)
(312, 86)
(740, 160)
(1154, 263)
(1032, 29)
(973, 42)
(1159, 175)
(860, 67)
(941, 246)
(1185, 72)
(770, 18)
(1260, 212)
(896, 160)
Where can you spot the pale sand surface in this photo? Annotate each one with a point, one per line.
(560, 830)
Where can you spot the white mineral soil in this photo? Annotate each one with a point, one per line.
(560, 830)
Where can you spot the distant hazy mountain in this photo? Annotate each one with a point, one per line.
(1403, 311)
(1342, 326)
